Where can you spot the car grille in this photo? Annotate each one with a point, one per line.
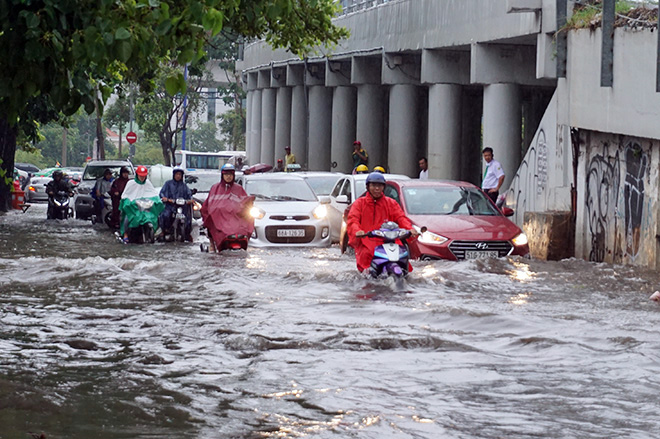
(458, 248)
(271, 235)
(289, 217)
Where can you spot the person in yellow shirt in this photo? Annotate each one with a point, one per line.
(289, 158)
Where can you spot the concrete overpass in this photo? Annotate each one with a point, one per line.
(444, 78)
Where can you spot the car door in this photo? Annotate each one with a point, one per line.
(336, 208)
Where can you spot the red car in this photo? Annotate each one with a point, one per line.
(462, 222)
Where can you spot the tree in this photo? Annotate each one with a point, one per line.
(203, 138)
(59, 54)
(232, 125)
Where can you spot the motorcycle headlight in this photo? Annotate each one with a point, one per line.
(320, 211)
(144, 204)
(196, 205)
(430, 237)
(521, 239)
(257, 213)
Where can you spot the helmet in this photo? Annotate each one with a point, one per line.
(58, 173)
(227, 167)
(375, 177)
(362, 169)
(379, 169)
(178, 169)
(142, 171)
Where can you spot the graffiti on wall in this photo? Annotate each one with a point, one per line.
(532, 173)
(611, 204)
(601, 198)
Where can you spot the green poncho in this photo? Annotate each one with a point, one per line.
(129, 206)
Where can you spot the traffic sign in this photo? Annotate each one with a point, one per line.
(131, 137)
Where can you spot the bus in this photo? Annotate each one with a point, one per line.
(192, 160)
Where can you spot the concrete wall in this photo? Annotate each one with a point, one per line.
(617, 210)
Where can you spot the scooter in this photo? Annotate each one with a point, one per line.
(180, 230)
(390, 258)
(144, 233)
(106, 212)
(59, 206)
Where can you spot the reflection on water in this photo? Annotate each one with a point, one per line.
(105, 340)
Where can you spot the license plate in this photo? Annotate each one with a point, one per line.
(290, 233)
(180, 216)
(470, 254)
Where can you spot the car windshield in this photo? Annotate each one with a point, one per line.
(447, 201)
(280, 190)
(95, 172)
(321, 184)
(202, 182)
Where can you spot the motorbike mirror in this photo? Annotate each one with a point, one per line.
(194, 191)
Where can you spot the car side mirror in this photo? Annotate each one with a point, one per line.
(342, 199)
(324, 199)
(507, 211)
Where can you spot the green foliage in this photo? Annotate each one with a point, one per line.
(232, 126)
(203, 138)
(34, 157)
(590, 14)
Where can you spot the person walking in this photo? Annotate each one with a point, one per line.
(493, 175)
(360, 156)
(424, 169)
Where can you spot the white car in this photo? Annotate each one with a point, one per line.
(346, 190)
(321, 182)
(286, 211)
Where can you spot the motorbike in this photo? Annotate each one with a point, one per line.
(180, 230)
(59, 206)
(390, 258)
(144, 232)
(106, 212)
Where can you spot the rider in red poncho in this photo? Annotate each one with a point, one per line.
(369, 213)
(226, 210)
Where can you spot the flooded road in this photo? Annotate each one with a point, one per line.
(104, 340)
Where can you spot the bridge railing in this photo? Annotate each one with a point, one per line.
(350, 6)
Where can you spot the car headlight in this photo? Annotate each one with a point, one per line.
(320, 211)
(430, 237)
(521, 239)
(257, 213)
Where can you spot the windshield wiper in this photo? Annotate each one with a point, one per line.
(263, 197)
(287, 198)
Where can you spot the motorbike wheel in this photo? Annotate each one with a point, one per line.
(108, 220)
(149, 234)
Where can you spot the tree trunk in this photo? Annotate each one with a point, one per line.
(7, 152)
(64, 148)
(166, 146)
(119, 145)
(100, 138)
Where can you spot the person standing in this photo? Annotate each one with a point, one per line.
(360, 156)
(493, 175)
(116, 190)
(424, 169)
(289, 158)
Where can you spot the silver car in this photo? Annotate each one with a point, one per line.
(321, 182)
(36, 189)
(286, 211)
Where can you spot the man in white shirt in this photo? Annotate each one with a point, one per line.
(493, 175)
(424, 166)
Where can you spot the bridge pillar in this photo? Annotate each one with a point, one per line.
(502, 126)
(254, 150)
(403, 130)
(344, 107)
(268, 96)
(282, 121)
(299, 124)
(248, 125)
(320, 117)
(444, 131)
(370, 123)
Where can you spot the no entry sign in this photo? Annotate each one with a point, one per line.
(131, 137)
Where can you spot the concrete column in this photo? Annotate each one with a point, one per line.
(248, 123)
(344, 107)
(320, 122)
(268, 96)
(502, 126)
(299, 124)
(255, 129)
(370, 124)
(403, 132)
(282, 121)
(444, 131)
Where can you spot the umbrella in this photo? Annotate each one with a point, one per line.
(259, 167)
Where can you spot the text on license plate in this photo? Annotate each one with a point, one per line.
(291, 233)
(471, 254)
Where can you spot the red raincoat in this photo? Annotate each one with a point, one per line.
(226, 212)
(369, 214)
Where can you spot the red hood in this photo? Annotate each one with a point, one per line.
(468, 227)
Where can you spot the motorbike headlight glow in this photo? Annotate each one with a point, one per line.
(257, 213)
(196, 205)
(430, 237)
(521, 239)
(144, 204)
(320, 211)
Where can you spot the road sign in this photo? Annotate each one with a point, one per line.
(131, 137)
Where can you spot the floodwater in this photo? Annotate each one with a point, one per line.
(103, 340)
